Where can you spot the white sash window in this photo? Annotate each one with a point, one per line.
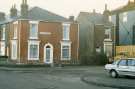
(33, 30)
(33, 50)
(66, 31)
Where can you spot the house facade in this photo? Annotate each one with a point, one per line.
(40, 37)
(123, 20)
(95, 28)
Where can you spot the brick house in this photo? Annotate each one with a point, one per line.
(39, 36)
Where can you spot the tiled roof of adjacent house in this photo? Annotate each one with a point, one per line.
(37, 13)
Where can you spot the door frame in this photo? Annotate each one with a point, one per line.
(51, 53)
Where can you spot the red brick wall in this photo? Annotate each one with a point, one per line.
(55, 28)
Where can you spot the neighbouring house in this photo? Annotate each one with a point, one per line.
(39, 36)
(123, 20)
(95, 28)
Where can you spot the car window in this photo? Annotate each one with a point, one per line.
(130, 62)
(114, 62)
(123, 63)
(133, 62)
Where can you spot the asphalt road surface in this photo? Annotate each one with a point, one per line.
(48, 78)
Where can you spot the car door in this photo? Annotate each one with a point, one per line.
(131, 64)
(122, 67)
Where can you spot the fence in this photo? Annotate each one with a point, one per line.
(128, 51)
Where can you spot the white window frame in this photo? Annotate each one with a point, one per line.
(66, 44)
(2, 48)
(125, 17)
(68, 32)
(108, 32)
(15, 30)
(33, 43)
(14, 42)
(36, 23)
(110, 18)
(3, 37)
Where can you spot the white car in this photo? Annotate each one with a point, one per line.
(122, 67)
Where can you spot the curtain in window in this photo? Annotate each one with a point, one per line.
(33, 51)
(66, 32)
(33, 30)
(65, 52)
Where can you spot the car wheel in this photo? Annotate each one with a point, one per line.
(113, 74)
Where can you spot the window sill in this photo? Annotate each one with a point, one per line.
(15, 38)
(33, 37)
(65, 59)
(65, 39)
(3, 39)
(33, 59)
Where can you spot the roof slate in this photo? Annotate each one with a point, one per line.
(37, 13)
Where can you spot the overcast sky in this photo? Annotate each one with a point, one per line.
(65, 7)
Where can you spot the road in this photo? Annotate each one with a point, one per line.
(48, 78)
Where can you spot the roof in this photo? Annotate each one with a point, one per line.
(127, 7)
(37, 13)
(92, 18)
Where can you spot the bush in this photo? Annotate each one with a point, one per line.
(94, 59)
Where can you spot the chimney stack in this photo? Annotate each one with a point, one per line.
(13, 11)
(24, 9)
(2, 16)
(71, 18)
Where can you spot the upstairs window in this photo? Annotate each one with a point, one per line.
(3, 33)
(15, 31)
(33, 30)
(66, 31)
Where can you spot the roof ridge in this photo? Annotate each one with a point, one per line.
(45, 10)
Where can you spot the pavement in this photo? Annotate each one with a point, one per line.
(95, 76)
(106, 81)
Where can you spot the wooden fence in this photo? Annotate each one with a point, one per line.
(128, 51)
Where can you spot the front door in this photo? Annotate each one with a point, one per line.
(48, 54)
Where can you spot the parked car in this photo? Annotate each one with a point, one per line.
(122, 67)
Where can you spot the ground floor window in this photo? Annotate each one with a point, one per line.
(2, 49)
(65, 51)
(33, 50)
(14, 50)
